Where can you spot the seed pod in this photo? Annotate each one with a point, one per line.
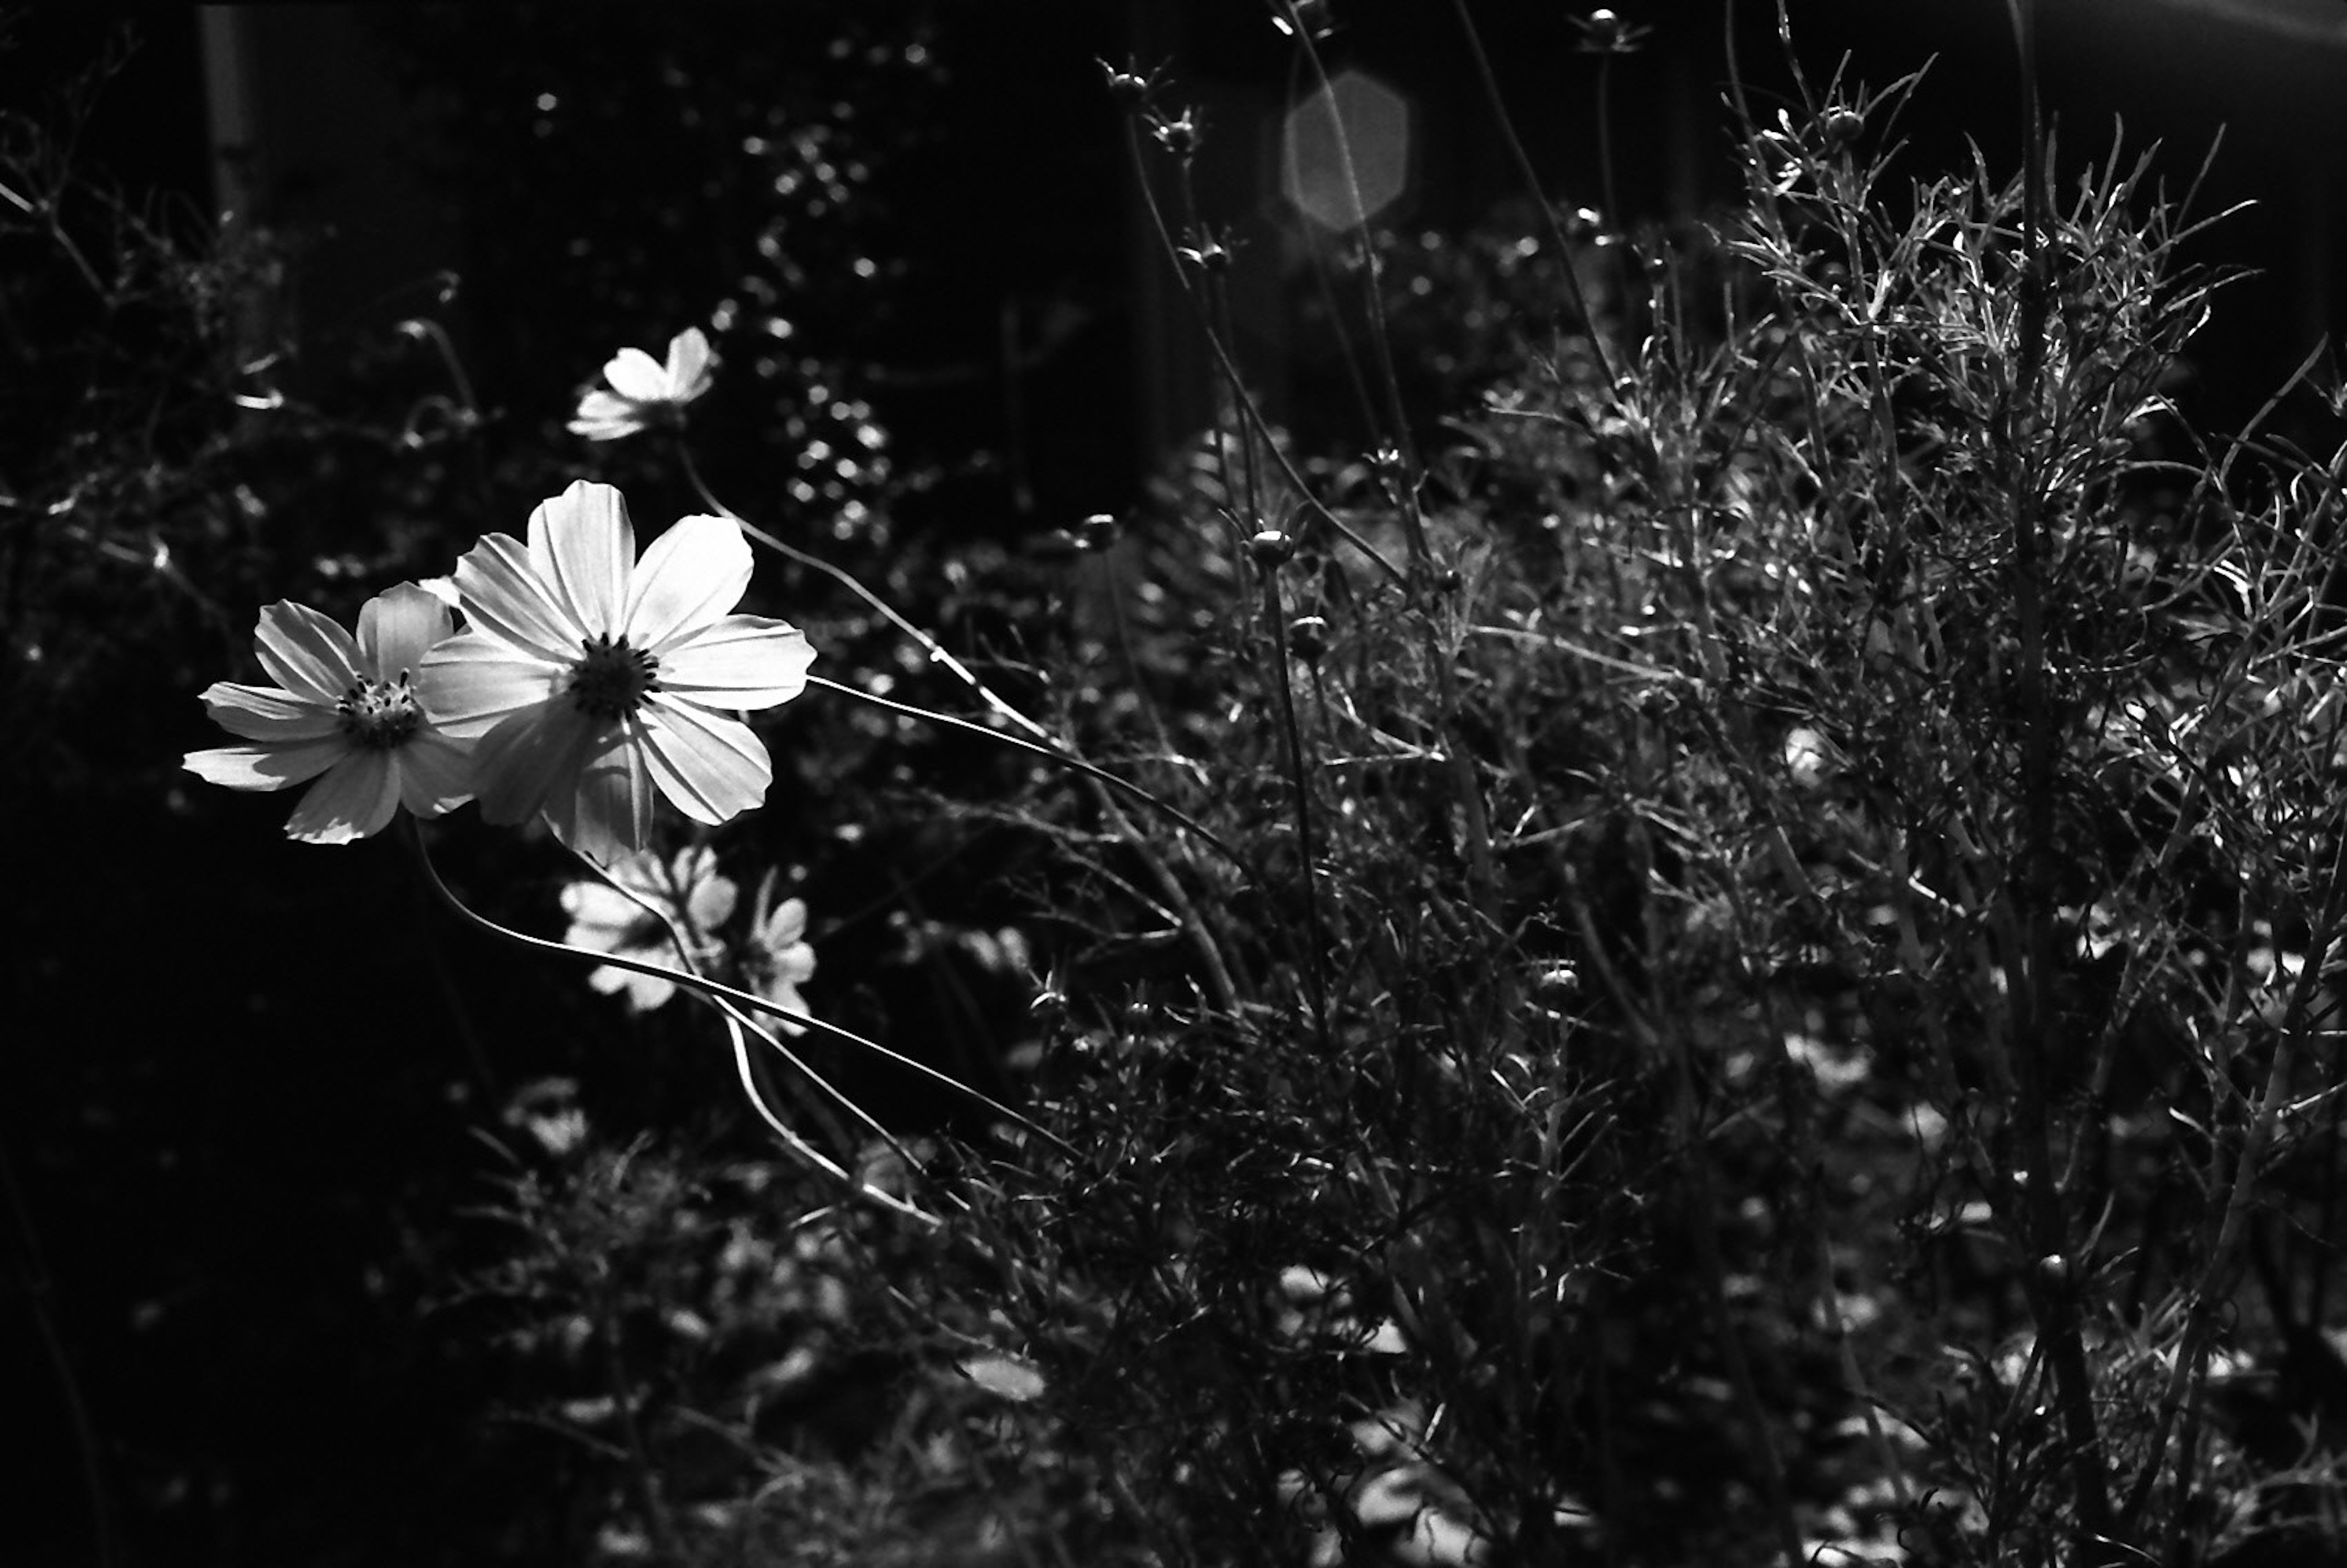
(1271, 548)
(1307, 637)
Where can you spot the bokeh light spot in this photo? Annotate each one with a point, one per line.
(1355, 115)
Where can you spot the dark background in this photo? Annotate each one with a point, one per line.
(242, 1079)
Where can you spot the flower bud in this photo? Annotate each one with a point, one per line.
(1127, 88)
(1179, 137)
(1307, 637)
(1209, 255)
(1098, 532)
(1271, 548)
(1842, 126)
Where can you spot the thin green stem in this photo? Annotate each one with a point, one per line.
(1230, 377)
(936, 649)
(1316, 958)
(1605, 141)
(36, 1298)
(1373, 302)
(1053, 753)
(1530, 177)
(708, 987)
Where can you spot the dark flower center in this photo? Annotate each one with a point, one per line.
(379, 714)
(611, 678)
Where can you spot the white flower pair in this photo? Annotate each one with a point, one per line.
(587, 681)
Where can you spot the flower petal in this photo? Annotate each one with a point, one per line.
(688, 578)
(583, 546)
(742, 661)
(783, 993)
(505, 597)
(688, 364)
(519, 765)
(634, 374)
(397, 628)
(306, 653)
(266, 714)
(435, 773)
(785, 927)
(710, 767)
(607, 416)
(354, 800)
(267, 766)
(600, 917)
(711, 903)
(470, 683)
(607, 812)
(645, 992)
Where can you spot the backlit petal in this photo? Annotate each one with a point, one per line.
(435, 773)
(712, 768)
(354, 800)
(634, 374)
(688, 364)
(742, 661)
(398, 628)
(786, 926)
(306, 653)
(690, 578)
(266, 767)
(712, 902)
(607, 416)
(506, 597)
(607, 813)
(583, 548)
(266, 714)
(645, 992)
(523, 761)
(600, 917)
(472, 683)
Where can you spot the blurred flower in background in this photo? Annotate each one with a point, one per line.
(777, 958)
(644, 392)
(633, 919)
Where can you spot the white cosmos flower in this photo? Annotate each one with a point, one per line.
(605, 919)
(592, 679)
(344, 710)
(778, 957)
(643, 390)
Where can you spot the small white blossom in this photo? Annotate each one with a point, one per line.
(644, 392)
(345, 713)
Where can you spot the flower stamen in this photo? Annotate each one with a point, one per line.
(611, 678)
(379, 714)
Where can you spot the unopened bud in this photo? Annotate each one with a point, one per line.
(1307, 635)
(1127, 88)
(1210, 256)
(1271, 548)
(1097, 531)
(1179, 137)
(1842, 126)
